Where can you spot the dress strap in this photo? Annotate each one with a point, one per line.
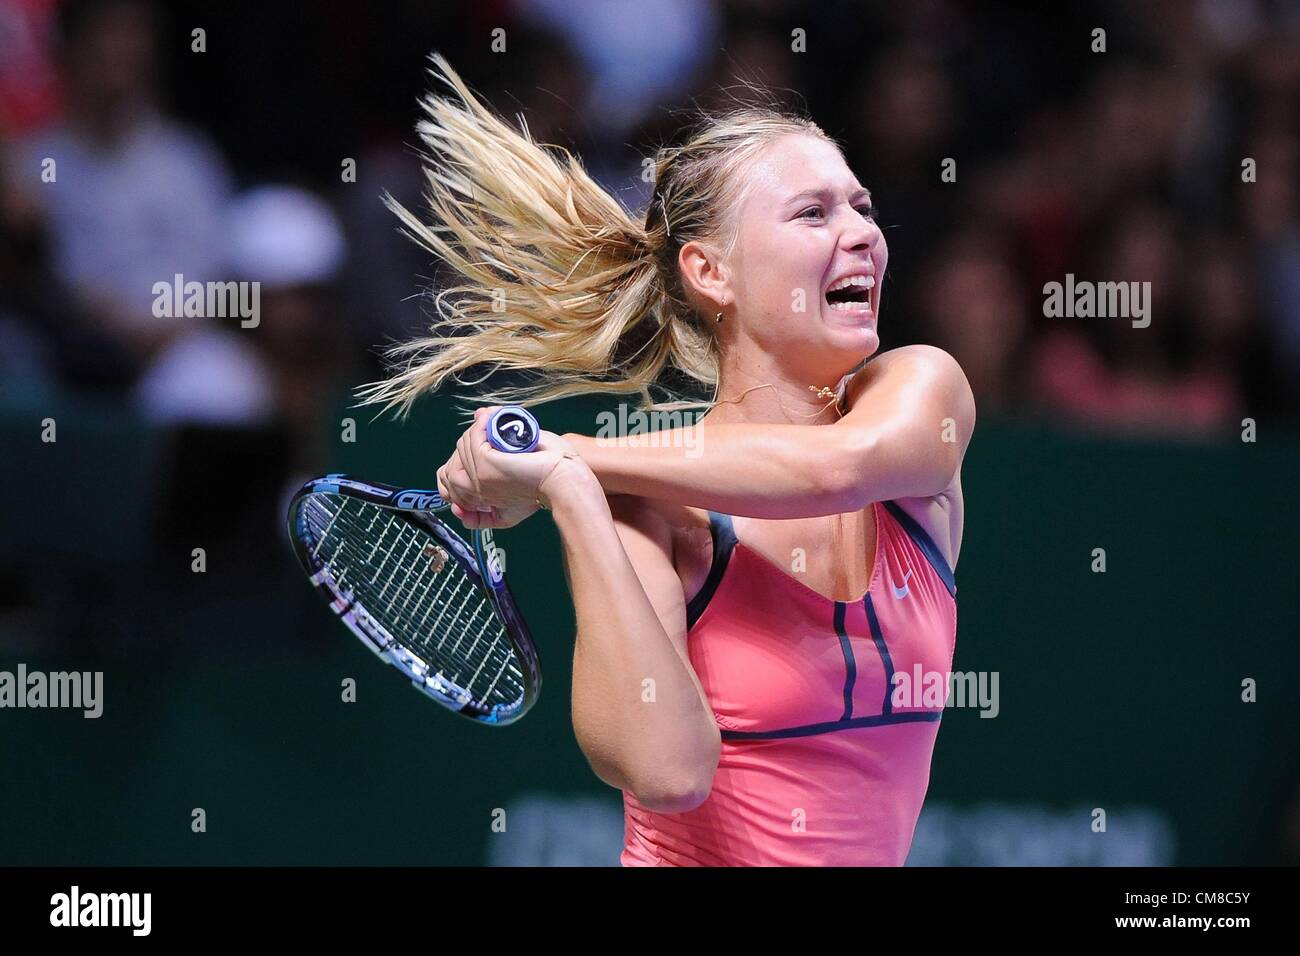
(724, 542)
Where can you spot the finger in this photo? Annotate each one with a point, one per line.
(487, 518)
(452, 473)
(478, 438)
(450, 479)
(470, 519)
(462, 493)
(466, 447)
(463, 448)
(478, 431)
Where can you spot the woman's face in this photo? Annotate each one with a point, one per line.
(804, 227)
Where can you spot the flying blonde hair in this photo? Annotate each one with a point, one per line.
(557, 278)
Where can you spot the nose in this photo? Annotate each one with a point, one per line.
(860, 234)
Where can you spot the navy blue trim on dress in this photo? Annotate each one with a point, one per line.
(886, 659)
(925, 543)
(724, 542)
(850, 664)
(829, 726)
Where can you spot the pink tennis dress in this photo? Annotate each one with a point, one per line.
(825, 752)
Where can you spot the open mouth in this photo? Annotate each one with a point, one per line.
(851, 294)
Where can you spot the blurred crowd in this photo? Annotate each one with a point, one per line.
(141, 142)
(1006, 145)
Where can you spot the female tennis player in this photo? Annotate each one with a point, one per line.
(745, 593)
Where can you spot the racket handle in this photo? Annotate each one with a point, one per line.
(513, 429)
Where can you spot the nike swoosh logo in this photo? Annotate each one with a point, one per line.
(905, 589)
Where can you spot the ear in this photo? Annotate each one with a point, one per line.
(705, 274)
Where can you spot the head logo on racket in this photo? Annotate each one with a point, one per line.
(419, 500)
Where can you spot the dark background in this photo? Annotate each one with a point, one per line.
(1119, 690)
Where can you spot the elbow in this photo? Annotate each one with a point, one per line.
(925, 473)
(935, 472)
(675, 795)
(662, 788)
(670, 778)
(677, 789)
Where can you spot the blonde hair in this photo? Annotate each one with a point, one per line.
(557, 279)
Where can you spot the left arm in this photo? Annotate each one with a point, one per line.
(910, 419)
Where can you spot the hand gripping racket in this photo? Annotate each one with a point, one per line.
(435, 607)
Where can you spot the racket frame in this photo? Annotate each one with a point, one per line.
(417, 506)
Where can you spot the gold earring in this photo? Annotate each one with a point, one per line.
(719, 316)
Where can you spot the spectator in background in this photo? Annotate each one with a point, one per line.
(903, 105)
(973, 306)
(545, 82)
(638, 54)
(26, 370)
(47, 340)
(135, 198)
(286, 368)
(254, 399)
(29, 96)
(1222, 353)
(1103, 166)
(1270, 213)
(289, 240)
(1187, 371)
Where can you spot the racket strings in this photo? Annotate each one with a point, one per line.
(463, 615)
(404, 578)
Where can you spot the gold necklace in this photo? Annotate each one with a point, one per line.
(824, 392)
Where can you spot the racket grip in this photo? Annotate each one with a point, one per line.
(514, 430)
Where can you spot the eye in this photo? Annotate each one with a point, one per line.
(867, 212)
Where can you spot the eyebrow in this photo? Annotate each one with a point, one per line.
(824, 194)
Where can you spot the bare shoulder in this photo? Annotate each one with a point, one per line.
(927, 366)
(939, 375)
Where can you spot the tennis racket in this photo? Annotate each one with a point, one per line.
(417, 594)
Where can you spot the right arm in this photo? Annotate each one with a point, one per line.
(909, 420)
(658, 740)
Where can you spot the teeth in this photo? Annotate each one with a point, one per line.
(867, 282)
(849, 306)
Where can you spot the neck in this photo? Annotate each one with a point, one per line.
(756, 390)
